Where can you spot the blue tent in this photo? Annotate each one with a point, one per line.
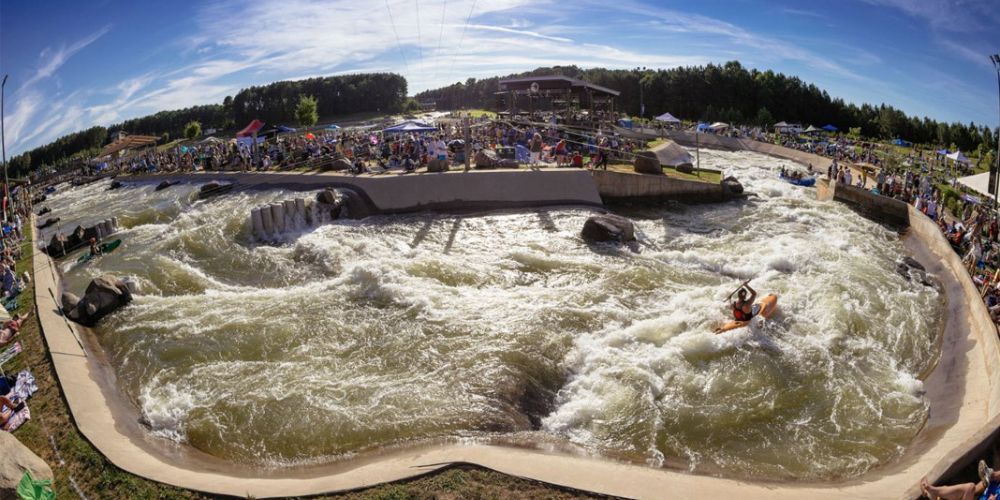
(282, 128)
(333, 126)
(943, 151)
(409, 126)
(703, 127)
(829, 128)
(900, 142)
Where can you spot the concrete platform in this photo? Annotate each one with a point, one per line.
(395, 192)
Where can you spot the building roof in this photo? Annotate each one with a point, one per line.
(128, 142)
(556, 82)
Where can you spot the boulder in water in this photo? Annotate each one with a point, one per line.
(731, 186)
(114, 185)
(607, 227)
(646, 162)
(164, 185)
(15, 459)
(105, 295)
(44, 211)
(48, 222)
(57, 246)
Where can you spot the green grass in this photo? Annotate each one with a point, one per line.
(655, 142)
(710, 176)
(52, 435)
(476, 113)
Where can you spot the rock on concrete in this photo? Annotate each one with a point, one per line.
(647, 163)
(437, 165)
(607, 227)
(105, 295)
(14, 460)
(340, 164)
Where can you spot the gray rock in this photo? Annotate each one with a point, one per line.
(68, 301)
(105, 295)
(685, 168)
(338, 164)
(328, 197)
(731, 186)
(646, 162)
(437, 165)
(486, 159)
(607, 227)
(14, 460)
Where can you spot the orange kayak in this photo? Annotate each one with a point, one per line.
(766, 307)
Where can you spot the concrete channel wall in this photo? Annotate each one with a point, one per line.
(633, 187)
(871, 205)
(963, 391)
(445, 191)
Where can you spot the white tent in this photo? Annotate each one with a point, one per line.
(668, 118)
(812, 129)
(718, 126)
(958, 157)
(979, 183)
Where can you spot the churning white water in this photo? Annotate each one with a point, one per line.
(388, 330)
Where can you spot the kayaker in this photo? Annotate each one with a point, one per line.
(744, 308)
(95, 249)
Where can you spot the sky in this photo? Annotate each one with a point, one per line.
(72, 65)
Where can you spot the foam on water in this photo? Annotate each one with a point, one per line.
(359, 334)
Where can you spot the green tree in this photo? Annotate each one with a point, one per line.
(764, 118)
(305, 111)
(192, 129)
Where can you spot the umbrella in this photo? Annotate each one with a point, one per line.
(457, 142)
(250, 129)
(829, 128)
(310, 136)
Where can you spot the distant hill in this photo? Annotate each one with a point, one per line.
(733, 94)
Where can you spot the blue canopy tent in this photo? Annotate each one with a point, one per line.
(409, 126)
(829, 128)
(943, 152)
(283, 128)
(900, 142)
(333, 126)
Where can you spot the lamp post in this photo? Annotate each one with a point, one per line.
(3, 145)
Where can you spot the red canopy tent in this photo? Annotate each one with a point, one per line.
(251, 129)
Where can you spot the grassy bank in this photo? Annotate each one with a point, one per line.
(81, 470)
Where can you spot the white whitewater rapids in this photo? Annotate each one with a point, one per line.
(356, 335)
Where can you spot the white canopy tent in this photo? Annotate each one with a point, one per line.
(958, 157)
(979, 183)
(667, 118)
(719, 126)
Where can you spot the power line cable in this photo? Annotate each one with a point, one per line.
(437, 52)
(461, 39)
(396, 33)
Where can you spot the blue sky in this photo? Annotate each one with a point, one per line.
(76, 64)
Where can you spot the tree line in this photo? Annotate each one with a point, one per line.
(275, 104)
(733, 94)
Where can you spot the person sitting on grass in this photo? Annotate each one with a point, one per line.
(7, 410)
(10, 329)
(988, 487)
